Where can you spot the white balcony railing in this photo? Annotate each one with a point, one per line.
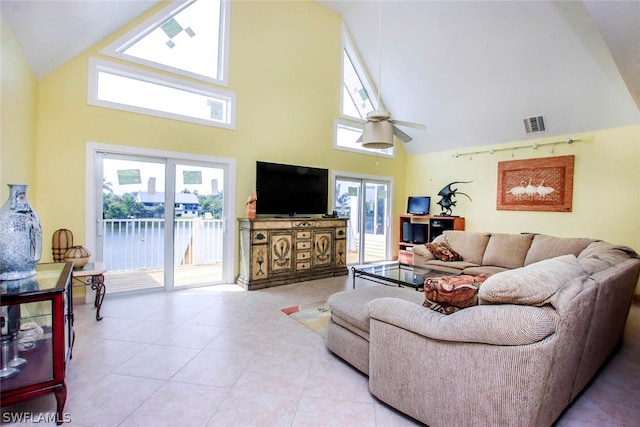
(136, 244)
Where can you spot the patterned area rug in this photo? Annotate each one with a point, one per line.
(314, 316)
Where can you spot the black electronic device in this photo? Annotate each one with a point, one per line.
(291, 190)
(419, 233)
(418, 205)
(407, 234)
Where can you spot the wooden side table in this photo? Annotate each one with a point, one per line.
(92, 274)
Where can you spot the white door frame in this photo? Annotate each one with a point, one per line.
(365, 177)
(91, 199)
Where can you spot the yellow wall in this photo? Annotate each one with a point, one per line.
(606, 187)
(18, 117)
(285, 70)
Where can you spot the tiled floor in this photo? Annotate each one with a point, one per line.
(222, 356)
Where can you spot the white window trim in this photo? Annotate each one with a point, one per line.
(96, 65)
(91, 224)
(355, 122)
(365, 78)
(113, 49)
(356, 125)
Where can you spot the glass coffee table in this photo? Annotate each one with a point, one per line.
(395, 273)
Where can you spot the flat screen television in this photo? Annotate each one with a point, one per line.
(418, 205)
(290, 190)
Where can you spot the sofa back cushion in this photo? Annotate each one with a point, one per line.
(507, 250)
(601, 255)
(469, 244)
(545, 247)
(531, 285)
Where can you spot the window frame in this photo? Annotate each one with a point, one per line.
(337, 123)
(100, 65)
(130, 37)
(348, 47)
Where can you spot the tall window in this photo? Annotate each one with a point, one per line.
(190, 38)
(358, 98)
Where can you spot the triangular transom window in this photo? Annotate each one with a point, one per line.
(188, 38)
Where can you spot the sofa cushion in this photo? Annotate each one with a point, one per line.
(469, 244)
(451, 293)
(507, 250)
(350, 309)
(600, 255)
(449, 266)
(486, 270)
(530, 285)
(443, 251)
(545, 247)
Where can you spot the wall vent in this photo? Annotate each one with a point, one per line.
(534, 124)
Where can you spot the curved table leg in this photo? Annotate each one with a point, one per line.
(61, 398)
(97, 284)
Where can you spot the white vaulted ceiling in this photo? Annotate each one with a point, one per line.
(471, 71)
(52, 32)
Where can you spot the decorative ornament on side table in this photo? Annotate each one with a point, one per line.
(447, 193)
(20, 236)
(61, 242)
(79, 255)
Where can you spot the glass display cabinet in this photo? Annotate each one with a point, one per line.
(36, 339)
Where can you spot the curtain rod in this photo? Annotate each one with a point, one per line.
(533, 146)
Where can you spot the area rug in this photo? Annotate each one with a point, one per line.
(314, 316)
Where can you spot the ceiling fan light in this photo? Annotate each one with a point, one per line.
(377, 135)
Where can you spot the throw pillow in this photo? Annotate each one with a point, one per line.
(451, 293)
(443, 252)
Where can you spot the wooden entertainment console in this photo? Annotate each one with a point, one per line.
(419, 229)
(279, 251)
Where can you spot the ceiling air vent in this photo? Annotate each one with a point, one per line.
(534, 124)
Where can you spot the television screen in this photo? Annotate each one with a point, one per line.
(418, 205)
(291, 190)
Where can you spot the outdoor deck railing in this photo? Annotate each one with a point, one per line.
(135, 244)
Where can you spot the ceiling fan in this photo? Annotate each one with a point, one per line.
(379, 128)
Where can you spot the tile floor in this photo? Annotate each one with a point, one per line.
(222, 356)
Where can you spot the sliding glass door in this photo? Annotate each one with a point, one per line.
(366, 202)
(198, 229)
(161, 222)
(131, 232)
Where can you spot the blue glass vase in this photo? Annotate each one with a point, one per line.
(20, 236)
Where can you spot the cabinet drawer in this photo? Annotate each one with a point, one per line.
(303, 235)
(303, 245)
(303, 255)
(258, 237)
(303, 266)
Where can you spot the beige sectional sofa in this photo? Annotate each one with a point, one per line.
(548, 317)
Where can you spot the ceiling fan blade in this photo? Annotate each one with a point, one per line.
(409, 124)
(401, 135)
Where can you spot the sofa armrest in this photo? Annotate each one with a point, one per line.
(421, 255)
(490, 324)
